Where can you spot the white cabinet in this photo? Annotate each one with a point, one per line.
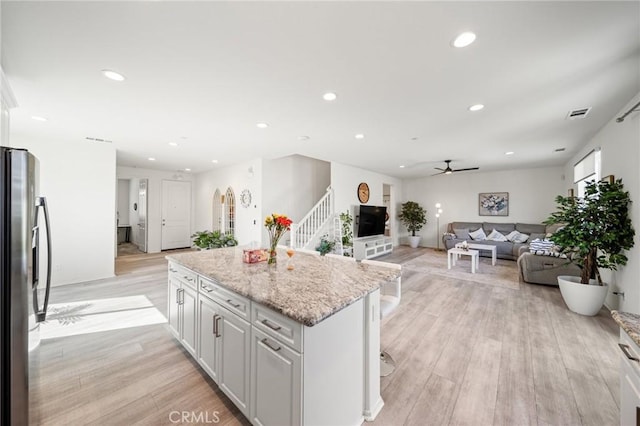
(224, 347)
(234, 356)
(274, 369)
(370, 247)
(182, 307)
(629, 381)
(208, 314)
(277, 382)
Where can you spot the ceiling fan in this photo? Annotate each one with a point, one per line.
(448, 170)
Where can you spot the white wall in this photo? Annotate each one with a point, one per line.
(293, 185)
(154, 200)
(620, 151)
(123, 202)
(248, 220)
(345, 180)
(79, 181)
(531, 197)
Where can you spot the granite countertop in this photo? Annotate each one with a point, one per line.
(629, 323)
(315, 289)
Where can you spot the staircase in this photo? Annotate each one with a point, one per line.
(307, 231)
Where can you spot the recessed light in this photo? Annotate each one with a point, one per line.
(464, 39)
(151, 159)
(329, 96)
(476, 107)
(359, 136)
(262, 125)
(112, 75)
(303, 138)
(173, 144)
(214, 161)
(187, 170)
(403, 166)
(509, 153)
(38, 118)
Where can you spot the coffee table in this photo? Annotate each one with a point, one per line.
(492, 249)
(455, 252)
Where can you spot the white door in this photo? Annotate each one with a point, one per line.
(176, 214)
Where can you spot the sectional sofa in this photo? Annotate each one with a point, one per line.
(505, 249)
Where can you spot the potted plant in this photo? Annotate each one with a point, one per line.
(347, 233)
(326, 245)
(595, 233)
(413, 217)
(206, 240)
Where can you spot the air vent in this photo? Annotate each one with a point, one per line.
(578, 113)
(559, 149)
(98, 140)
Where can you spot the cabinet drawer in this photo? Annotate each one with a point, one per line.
(631, 348)
(183, 274)
(278, 326)
(237, 304)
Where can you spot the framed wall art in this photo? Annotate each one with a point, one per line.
(493, 204)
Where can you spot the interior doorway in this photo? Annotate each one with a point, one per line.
(131, 213)
(176, 214)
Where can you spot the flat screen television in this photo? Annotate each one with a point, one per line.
(371, 221)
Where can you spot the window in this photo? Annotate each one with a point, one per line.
(230, 211)
(587, 170)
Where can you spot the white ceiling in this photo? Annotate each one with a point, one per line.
(202, 74)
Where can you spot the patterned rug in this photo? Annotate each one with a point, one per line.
(503, 274)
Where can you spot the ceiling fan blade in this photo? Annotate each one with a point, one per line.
(436, 174)
(464, 170)
(438, 168)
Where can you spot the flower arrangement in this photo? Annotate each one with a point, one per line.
(277, 225)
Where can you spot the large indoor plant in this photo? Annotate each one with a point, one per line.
(413, 217)
(207, 240)
(595, 231)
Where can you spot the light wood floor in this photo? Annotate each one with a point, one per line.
(466, 353)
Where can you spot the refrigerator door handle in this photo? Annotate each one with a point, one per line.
(41, 314)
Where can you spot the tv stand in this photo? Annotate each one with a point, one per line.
(370, 247)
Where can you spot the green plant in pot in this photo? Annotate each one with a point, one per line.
(595, 233)
(347, 232)
(207, 240)
(325, 245)
(413, 217)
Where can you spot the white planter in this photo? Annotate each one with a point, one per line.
(414, 241)
(583, 299)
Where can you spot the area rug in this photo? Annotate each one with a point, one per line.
(503, 274)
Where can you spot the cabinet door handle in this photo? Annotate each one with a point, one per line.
(270, 325)
(180, 296)
(172, 270)
(273, 348)
(216, 326)
(625, 350)
(205, 288)
(186, 277)
(235, 305)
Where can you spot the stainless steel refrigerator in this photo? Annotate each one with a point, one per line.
(25, 251)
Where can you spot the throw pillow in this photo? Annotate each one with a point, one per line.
(520, 238)
(462, 234)
(496, 236)
(478, 235)
(541, 245)
(512, 235)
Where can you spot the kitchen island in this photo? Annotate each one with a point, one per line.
(289, 347)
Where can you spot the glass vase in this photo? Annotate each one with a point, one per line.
(273, 256)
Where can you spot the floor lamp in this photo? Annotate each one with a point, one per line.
(438, 213)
